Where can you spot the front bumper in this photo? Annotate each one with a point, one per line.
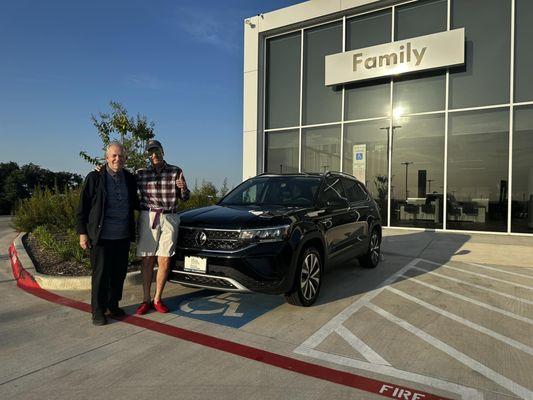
(263, 268)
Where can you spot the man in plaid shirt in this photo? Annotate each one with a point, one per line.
(161, 187)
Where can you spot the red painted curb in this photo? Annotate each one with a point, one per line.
(26, 282)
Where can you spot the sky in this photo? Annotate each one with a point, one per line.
(179, 63)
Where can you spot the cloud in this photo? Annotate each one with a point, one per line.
(143, 81)
(209, 29)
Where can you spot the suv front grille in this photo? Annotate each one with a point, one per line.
(216, 240)
(204, 281)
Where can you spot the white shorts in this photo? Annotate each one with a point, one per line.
(160, 241)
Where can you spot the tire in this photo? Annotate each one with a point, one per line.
(308, 279)
(371, 258)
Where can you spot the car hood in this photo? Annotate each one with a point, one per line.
(239, 217)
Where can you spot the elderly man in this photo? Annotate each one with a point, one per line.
(106, 225)
(161, 187)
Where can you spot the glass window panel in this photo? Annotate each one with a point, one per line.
(419, 93)
(522, 200)
(321, 103)
(368, 30)
(332, 193)
(523, 54)
(484, 79)
(354, 193)
(478, 160)
(282, 151)
(283, 81)
(368, 99)
(417, 180)
(321, 149)
(366, 157)
(421, 18)
(426, 91)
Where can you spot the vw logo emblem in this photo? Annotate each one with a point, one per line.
(201, 238)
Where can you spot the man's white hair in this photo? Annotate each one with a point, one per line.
(115, 144)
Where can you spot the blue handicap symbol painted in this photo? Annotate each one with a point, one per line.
(223, 308)
(358, 156)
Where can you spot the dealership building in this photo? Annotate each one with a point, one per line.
(428, 102)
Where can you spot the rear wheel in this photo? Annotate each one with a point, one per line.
(308, 279)
(371, 258)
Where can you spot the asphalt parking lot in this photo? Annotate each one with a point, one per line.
(435, 318)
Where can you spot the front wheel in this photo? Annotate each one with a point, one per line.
(308, 279)
(371, 258)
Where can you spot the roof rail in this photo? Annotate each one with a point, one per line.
(285, 173)
(339, 173)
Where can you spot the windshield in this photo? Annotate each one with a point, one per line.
(292, 191)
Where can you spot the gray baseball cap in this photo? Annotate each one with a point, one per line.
(152, 143)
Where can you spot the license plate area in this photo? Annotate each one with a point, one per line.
(195, 264)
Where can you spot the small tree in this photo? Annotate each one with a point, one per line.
(382, 186)
(208, 190)
(225, 188)
(133, 133)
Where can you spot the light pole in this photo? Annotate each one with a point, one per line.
(406, 163)
(390, 142)
(429, 182)
(387, 128)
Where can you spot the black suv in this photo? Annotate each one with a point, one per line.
(277, 233)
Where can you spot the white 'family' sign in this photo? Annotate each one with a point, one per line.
(438, 50)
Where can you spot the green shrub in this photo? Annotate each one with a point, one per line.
(64, 244)
(205, 195)
(45, 207)
(51, 216)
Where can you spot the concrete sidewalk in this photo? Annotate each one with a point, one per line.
(465, 247)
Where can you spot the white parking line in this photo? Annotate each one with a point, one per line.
(465, 392)
(500, 270)
(365, 350)
(330, 326)
(484, 276)
(470, 324)
(308, 348)
(469, 300)
(462, 282)
(501, 380)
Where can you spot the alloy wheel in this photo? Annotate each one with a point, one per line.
(374, 248)
(310, 276)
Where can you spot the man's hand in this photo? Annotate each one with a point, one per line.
(99, 168)
(84, 242)
(180, 182)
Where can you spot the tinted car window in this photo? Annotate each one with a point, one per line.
(332, 192)
(275, 190)
(252, 194)
(354, 192)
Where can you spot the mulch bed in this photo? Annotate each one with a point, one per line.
(46, 262)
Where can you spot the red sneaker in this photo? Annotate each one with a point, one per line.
(144, 308)
(160, 307)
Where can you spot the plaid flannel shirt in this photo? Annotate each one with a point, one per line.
(159, 190)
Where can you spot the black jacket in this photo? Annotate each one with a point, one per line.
(90, 214)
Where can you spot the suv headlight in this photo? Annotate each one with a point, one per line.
(265, 235)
